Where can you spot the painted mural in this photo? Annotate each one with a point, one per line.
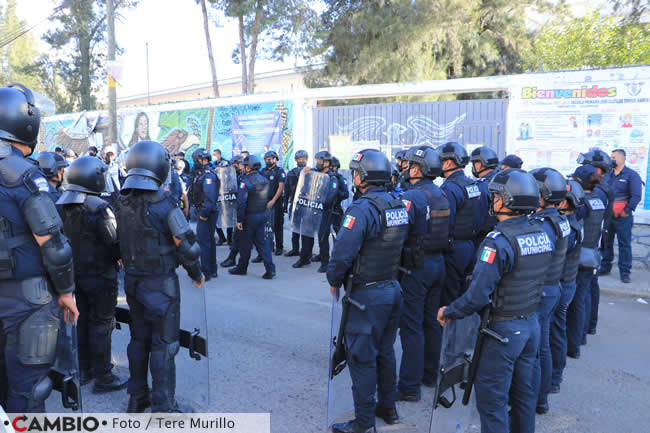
(179, 129)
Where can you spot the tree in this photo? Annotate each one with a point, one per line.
(208, 42)
(18, 55)
(592, 41)
(81, 33)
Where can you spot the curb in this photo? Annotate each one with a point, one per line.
(622, 292)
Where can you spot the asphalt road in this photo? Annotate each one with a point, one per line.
(268, 344)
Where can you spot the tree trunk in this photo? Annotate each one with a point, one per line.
(242, 52)
(253, 53)
(215, 84)
(84, 86)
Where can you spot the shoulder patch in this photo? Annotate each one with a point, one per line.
(242, 185)
(493, 234)
(565, 228)
(407, 203)
(473, 191)
(208, 181)
(41, 184)
(534, 243)
(349, 221)
(488, 254)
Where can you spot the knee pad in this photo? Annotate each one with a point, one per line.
(36, 338)
(171, 324)
(38, 394)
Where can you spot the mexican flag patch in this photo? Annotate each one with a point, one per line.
(488, 254)
(348, 222)
(208, 181)
(407, 204)
(242, 185)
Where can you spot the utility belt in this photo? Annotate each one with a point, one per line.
(36, 290)
(370, 285)
(504, 318)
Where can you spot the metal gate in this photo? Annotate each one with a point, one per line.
(397, 125)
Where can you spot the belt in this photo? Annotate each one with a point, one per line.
(499, 318)
(369, 285)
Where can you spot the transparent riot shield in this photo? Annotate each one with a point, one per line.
(192, 368)
(268, 229)
(452, 412)
(227, 200)
(340, 406)
(65, 371)
(309, 202)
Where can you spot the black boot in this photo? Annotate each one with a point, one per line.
(86, 376)
(300, 263)
(257, 259)
(236, 271)
(109, 383)
(292, 253)
(352, 427)
(315, 258)
(389, 416)
(138, 403)
(229, 262)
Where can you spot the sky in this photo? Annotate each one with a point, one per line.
(177, 49)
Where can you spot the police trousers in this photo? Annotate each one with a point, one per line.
(558, 338)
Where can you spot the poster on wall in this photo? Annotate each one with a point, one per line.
(257, 133)
(180, 127)
(552, 118)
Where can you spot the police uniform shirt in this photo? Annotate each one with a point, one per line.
(332, 191)
(276, 176)
(344, 191)
(456, 197)
(484, 200)
(627, 186)
(361, 221)
(209, 184)
(583, 212)
(494, 259)
(573, 238)
(417, 206)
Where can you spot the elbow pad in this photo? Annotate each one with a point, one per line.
(108, 227)
(188, 250)
(57, 259)
(41, 215)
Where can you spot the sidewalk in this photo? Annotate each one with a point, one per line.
(640, 284)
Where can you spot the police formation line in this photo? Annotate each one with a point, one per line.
(527, 243)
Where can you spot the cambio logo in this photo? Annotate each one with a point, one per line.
(63, 423)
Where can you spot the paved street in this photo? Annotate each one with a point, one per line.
(268, 353)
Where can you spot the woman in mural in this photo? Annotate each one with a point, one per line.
(140, 129)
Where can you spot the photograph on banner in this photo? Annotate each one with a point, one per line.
(257, 133)
(550, 122)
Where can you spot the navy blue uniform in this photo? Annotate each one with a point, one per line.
(370, 334)
(252, 197)
(289, 191)
(344, 194)
(484, 222)
(459, 260)
(55, 193)
(419, 331)
(324, 229)
(276, 176)
(206, 186)
(506, 372)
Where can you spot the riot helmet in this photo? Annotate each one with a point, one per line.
(253, 162)
(87, 175)
(552, 185)
(323, 156)
(300, 154)
(518, 190)
(575, 195)
(486, 156)
(427, 158)
(455, 152)
(336, 164)
(200, 154)
(596, 158)
(512, 161)
(19, 116)
(50, 163)
(268, 158)
(400, 156)
(147, 166)
(372, 166)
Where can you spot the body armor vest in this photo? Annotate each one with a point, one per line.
(144, 249)
(520, 290)
(464, 229)
(562, 231)
(609, 206)
(196, 190)
(91, 256)
(13, 171)
(258, 196)
(379, 258)
(570, 271)
(593, 227)
(437, 238)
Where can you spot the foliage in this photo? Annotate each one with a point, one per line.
(19, 54)
(592, 41)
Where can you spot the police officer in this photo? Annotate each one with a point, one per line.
(402, 166)
(558, 337)
(484, 164)
(52, 165)
(344, 194)
(509, 272)
(253, 213)
(553, 190)
(217, 160)
(367, 250)
(90, 223)
(205, 190)
(36, 271)
(154, 239)
(463, 194)
(276, 178)
(300, 157)
(323, 165)
(423, 252)
(592, 215)
(220, 162)
(237, 235)
(511, 161)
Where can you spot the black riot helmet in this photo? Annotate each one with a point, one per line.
(575, 195)
(50, 163)
(427, 158)
(87, 174)
(518, 190)
(200, 154)
(486, 156)
(336, 163)
(147, 166)
(400, 156)
(455, 152)
(19, 116)
(323, 155)
(372, 166)
(300, 154)
(271, 154)
(597, 158)
(552, 185)
(253, 162)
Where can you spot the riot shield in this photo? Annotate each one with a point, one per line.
(227, 200)
(268, 229)
(65, 371)
(450, 413)
(192, 368)
(340, 406)
(309, 202)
